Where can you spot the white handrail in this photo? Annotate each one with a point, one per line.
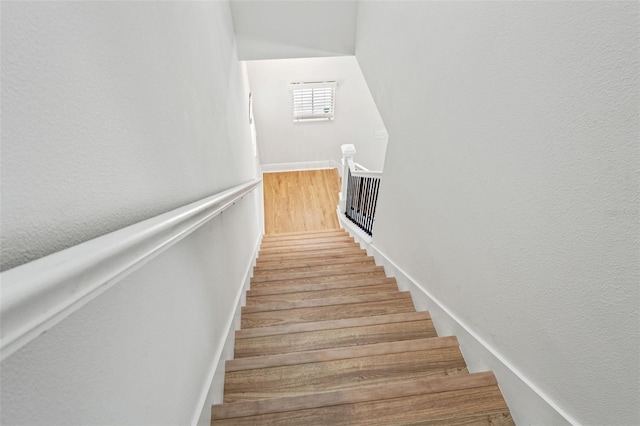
(39, 294)
(357, 170)
(348, 165)
(360, 167)
(362, 173)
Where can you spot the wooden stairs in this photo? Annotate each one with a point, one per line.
(327, 339)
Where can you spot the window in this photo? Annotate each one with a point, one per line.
(313, 101)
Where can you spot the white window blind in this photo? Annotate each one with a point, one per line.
(313, 101)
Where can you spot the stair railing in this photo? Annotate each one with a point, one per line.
(359, 195)
(39, 294)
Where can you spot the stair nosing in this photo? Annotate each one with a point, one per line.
(411, 387)
(322, 355)
(277, 330)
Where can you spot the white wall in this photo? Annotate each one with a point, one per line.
(511, 184)
(141, 353)
(113, 112)
(281, 141)
(268, 29)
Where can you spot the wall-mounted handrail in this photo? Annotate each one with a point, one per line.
(359, 196)
(39, 294)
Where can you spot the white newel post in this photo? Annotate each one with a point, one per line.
(348, 150)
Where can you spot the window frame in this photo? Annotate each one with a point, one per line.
(304, 105)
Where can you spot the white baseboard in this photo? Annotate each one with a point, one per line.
(359, 235)
(213, 388)
(527, 403)
(292, 167)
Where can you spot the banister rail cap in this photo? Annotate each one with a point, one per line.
(348, 149)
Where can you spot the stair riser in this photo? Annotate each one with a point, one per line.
(326, 339)
(340, 374)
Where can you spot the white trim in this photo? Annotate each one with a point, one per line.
(39, 294)
(527, 402)
(335, 164)
(358, 234)
(353, 167)
(212, 392)
(293, 167)
(361, 167)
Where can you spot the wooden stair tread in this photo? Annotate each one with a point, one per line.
(292, 267)
(339, 259)
(348, 282)
(327, 338)
(474, 406)
(303, 234)
(320, 294)
(334, 338)
(307, 247)
(307, 241)
(400, 389)
(341, 353)
(332, 324)
(331, 369)
(339, 270)
(377, 272)
(331, 301)
(323, 313)
(313, 254)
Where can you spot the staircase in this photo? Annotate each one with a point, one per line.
(327, 339)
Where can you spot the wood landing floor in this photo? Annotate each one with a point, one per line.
(327, 339)
(300, 201)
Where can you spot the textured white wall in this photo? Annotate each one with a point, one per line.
(356, 117)
(268, 29)
(140, 353)
(511, 181)
(113, 112)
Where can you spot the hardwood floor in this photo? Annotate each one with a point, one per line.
(301, 201)
(327, 339)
